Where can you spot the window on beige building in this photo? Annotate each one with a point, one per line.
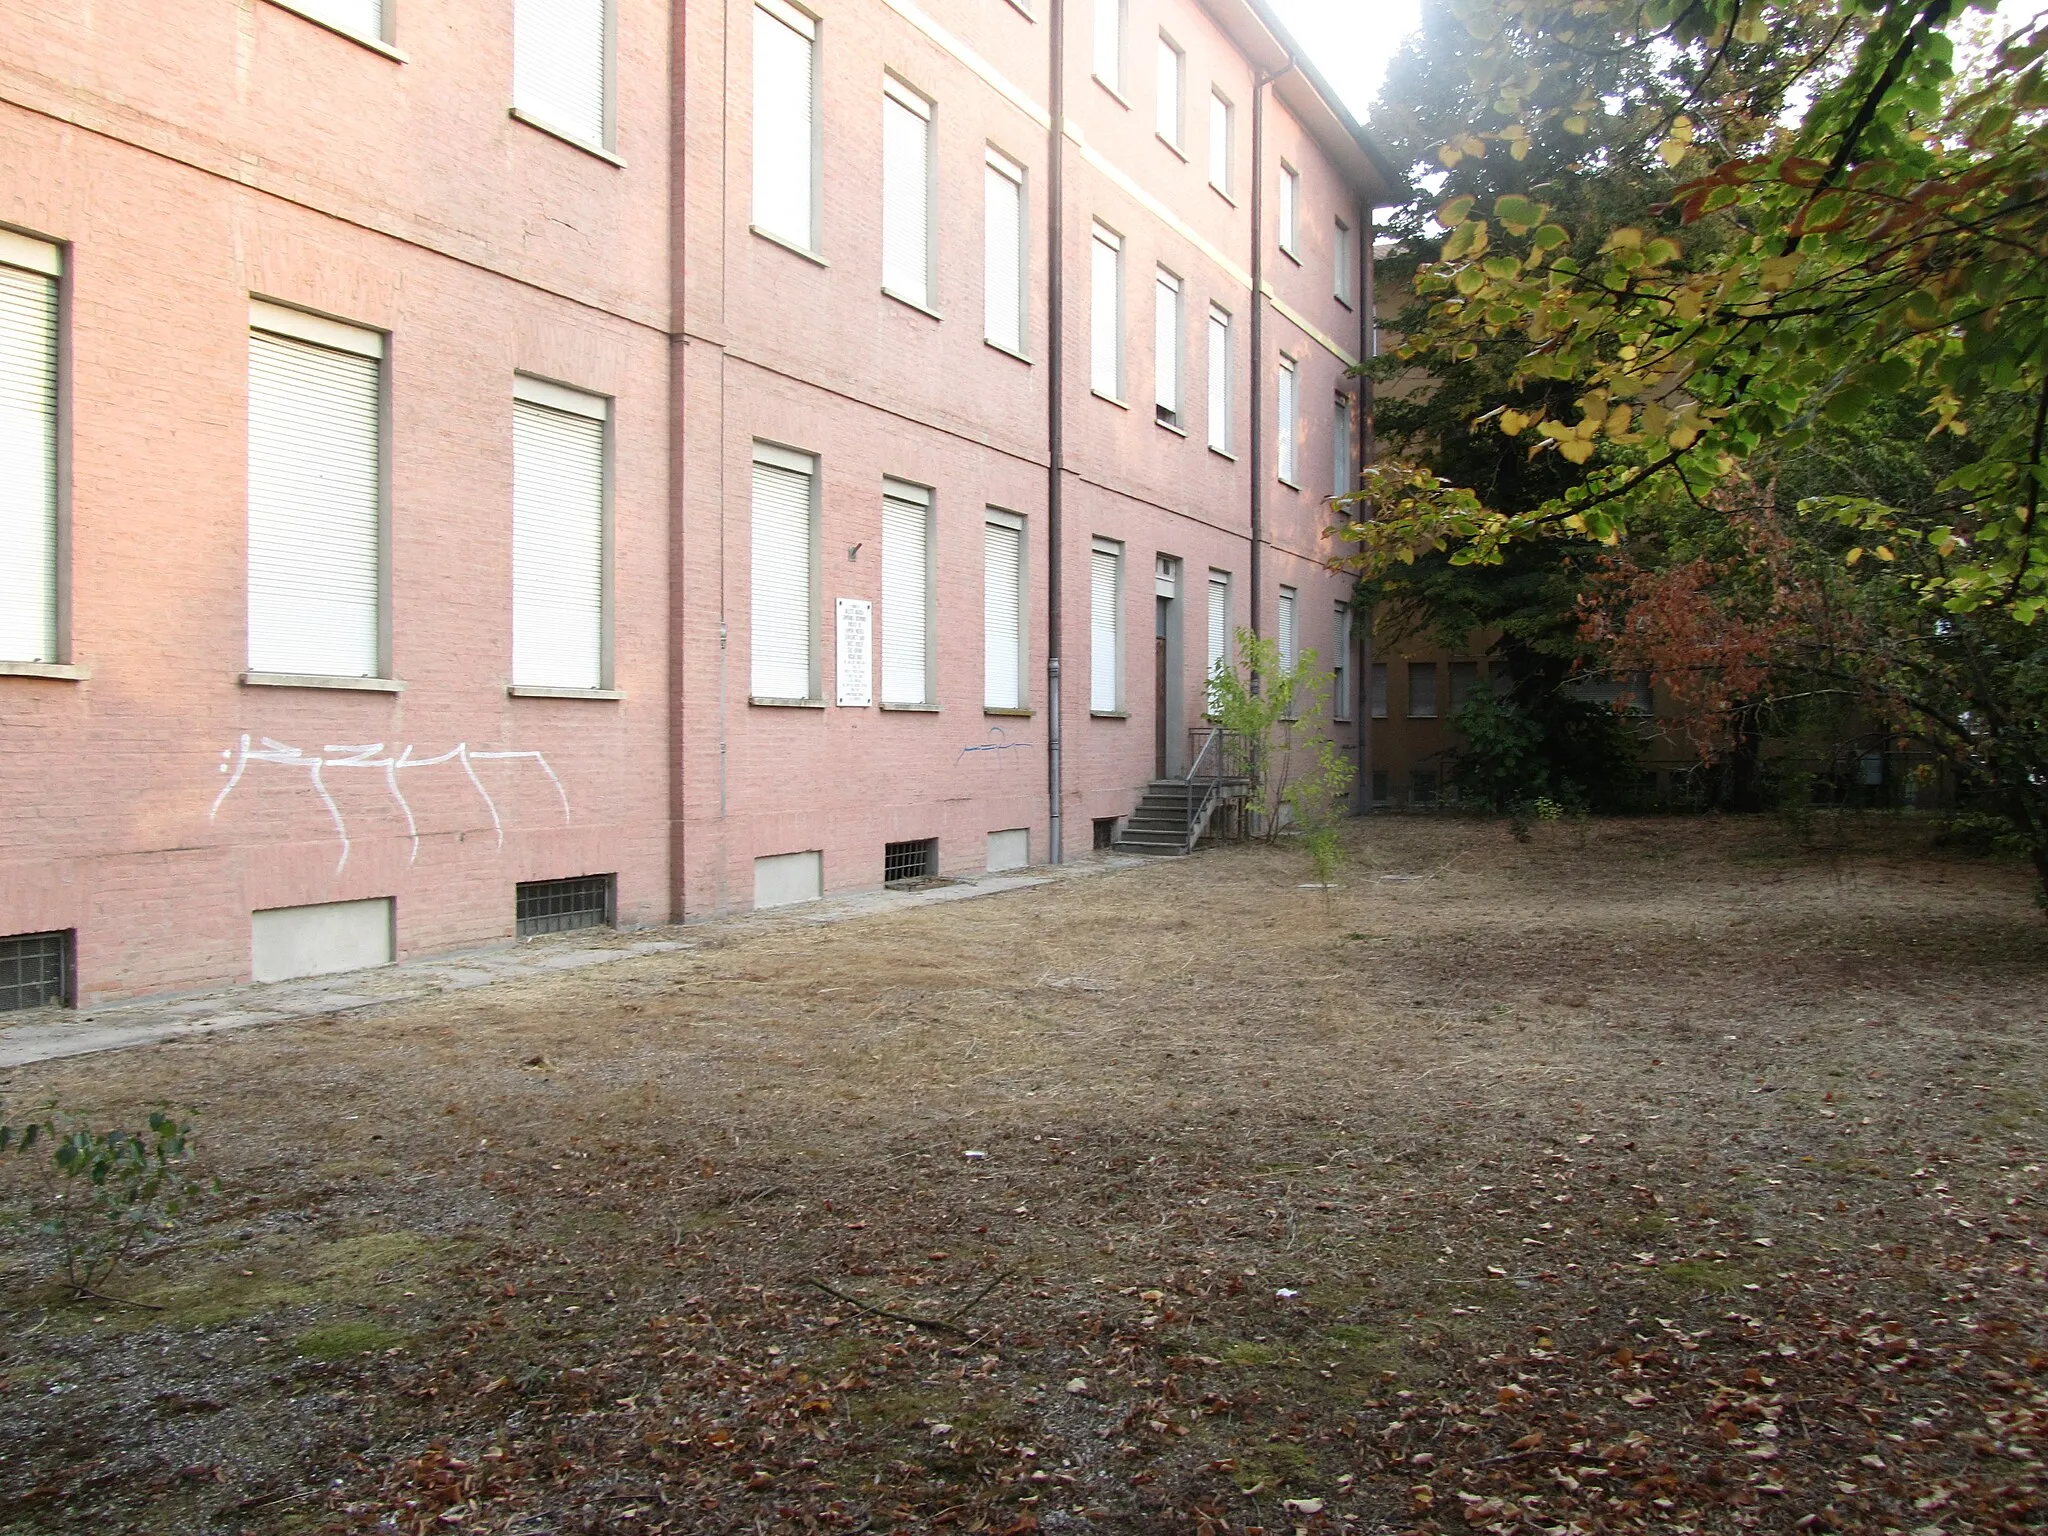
(1464, 683)
(1219, 378)
(906, 195)
(1105, 631)
(1289, 631)
(1221, 117)
(1288, 398)
(906, 593)
(1109, 43)
(558, 536)
(1005, 253)
(785, 124)
(561, 67)
(1340, 663)
(784, 570)
(30, 534)
(1421, 690)
(360, 18)
(1106, 313)
(1342, 476)
(1166, 346)
(1219, 631)
(1379, 690)
(1173, 69)
(316, 496)
(1290, 210)
(1346, 275)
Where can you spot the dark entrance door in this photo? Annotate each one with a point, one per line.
(1164, 607)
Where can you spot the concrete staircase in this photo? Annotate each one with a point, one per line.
(1159, 826)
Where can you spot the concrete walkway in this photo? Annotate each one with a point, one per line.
(43, 1034)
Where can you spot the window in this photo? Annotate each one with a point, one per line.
(916, 860)
(1421, 690)
(1382, 790)
(906, 593)
(1219, 379)
(1289, 632)
(560, 58)
(1340, 666)
(1422, 787)
(29, 530)
(1290, 210)
(1347, 274)
(1379, 690)
(1106, 314)
(1109, 43)
(1464, 682)
(1166, 333)
(784, 575)
(1220, 137)
(1341, 478)
(363, 18)
(1290, 420)
(35, 970)
(558, 537)
(316, 534)
(562, 906)
(1003, 651)
(1219, 630)
(1105, 633)
(906, 195)
(1005, 255)
(785, 123)
(1173, 66)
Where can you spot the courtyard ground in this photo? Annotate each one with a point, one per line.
(1659, 1175)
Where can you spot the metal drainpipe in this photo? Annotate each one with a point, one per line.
(1368, 451)
(1258, 346)
(1055, 359)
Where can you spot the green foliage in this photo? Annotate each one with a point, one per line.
(106, 1193)
(1263, 704)
(1499, 761)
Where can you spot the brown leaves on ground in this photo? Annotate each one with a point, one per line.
(1657, 1177)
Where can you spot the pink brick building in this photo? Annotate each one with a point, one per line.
(474, 466)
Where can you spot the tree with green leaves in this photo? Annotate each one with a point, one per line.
(1891, 241)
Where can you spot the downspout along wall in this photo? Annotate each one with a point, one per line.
(1055, 358)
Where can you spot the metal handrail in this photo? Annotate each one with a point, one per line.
(1208, 769)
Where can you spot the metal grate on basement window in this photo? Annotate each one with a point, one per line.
(910, 861)
(561, 906)
(35, 971)
(1105, 832)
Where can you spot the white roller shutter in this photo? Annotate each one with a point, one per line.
(782, 580)
(1340, 446)
(1290, 208)
(365, 18)
(1003, 616)
(1003, 293)
(28, 463)
(1109, 43)
(1219, 143)
(1289, 634)
(1290, 414)
(1219, 381)
(1340, 648)
(1106, 312)
(785, 48)
(1166, 345)
(1171, 70)
(558, 65)
(1105, 634)
(906, 195)
(557, 548)
(906, 594)
(314, 509)
(1219, 629)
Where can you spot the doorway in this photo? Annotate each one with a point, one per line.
(1168, 707)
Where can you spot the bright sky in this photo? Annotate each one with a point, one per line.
(1351, 41)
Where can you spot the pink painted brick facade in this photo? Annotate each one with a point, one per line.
(189, 158)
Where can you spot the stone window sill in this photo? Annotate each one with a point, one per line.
(1007, 714)
(374, 44)
(533, 691)
(1109, 714)
(788, 245)
(766, 703)
(56, 671)
(912, 709)
(316, 680)
(567, 138)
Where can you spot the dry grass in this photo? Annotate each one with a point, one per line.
(1318, 1197)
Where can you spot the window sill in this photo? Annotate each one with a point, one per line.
(1292, 485)
(1178, 153)
(1220, 192)
(1007, 714)
(766, 703)
(1223, 453)
(374, 44)
(1122, 405)
(569, 139)
(1022, 10)
(1341, 300)
(1290, 255)
(316, 680)
(788, 245)
(1177, 431)
(909, 303)
(56, 671)
(911, 709)
(534, 691)
(1109, 714)
(1114, 94)
(1422, 717)
(1007, 351)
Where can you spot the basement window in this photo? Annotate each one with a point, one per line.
(562, 906)
(35, 971)
(918, 860)
(1105, 832)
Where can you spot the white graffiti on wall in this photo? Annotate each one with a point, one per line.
(236, 761)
